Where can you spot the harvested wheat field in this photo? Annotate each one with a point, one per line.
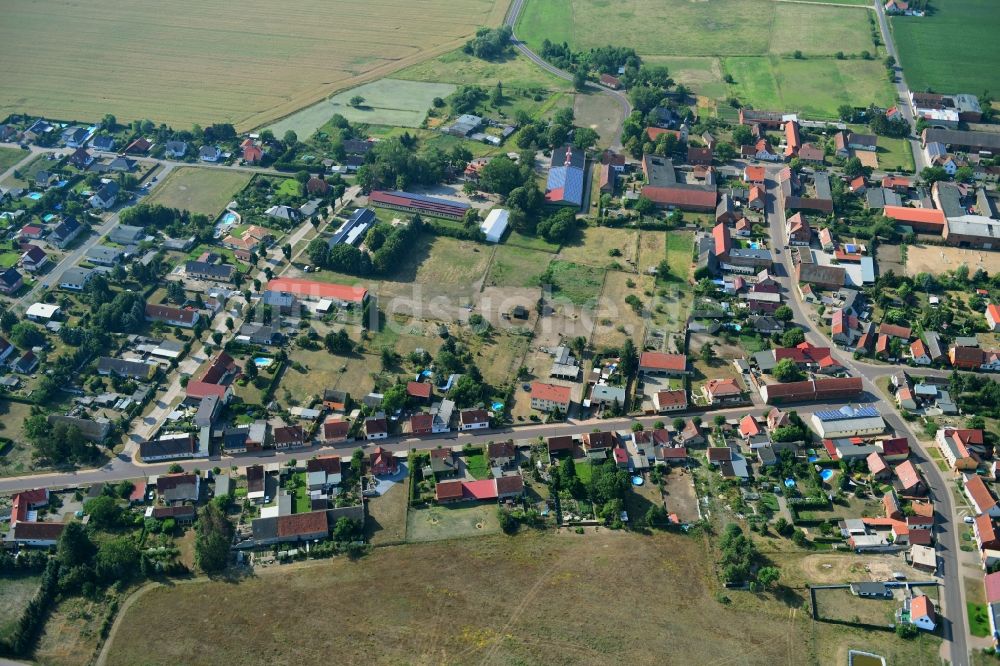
(205, 61)
(537, 598)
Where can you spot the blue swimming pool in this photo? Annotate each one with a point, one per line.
(813, 459)
(497, 406)
(48, 217)
(229, 218)
(35, 196)
(637, 481)
(826, 474)
(263, 362)
(790, 483)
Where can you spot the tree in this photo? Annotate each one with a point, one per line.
(580, 79)
(644, 206)
(719, 420)
(768, 576)
(782, 526)
(678, 424)
(356, 101)
(213, 538)
(907, 631)
(629, 358)
(501, 175)
(707, 353)
(792, 337)
(250, 371)
(26, 335)
(964, 174)
(784, 313)
(853, 168)
(104, 512)
(786, 370)
(117, 560)
(585, 137)
(290, 138)
(338, 343)
(742, 135)
(74, 547)
(230, 324)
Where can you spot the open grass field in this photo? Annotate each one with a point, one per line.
(578, 283)
(461, 68)
(680, 250)
(500, 356)
(16, 593)
(937, 259)
(680, 27)
(517, 267)
(592, 110)
(894, 154)
(326, 371)
(11, 156)
(387, 102)
(813, 87)
(819, 30)
(615, 319)
(955, 49)
(292, 57)
(15, 459)
(461, 519)
(840, 604)
(531, 242)
(594, 244)
(205, 191)
(386, 522)
(452, 612)
(702, 74)
(71, 634)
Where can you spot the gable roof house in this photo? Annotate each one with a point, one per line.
(564, 185)
(65, 232)
(962, 448)
(10, 281)
(210, 154)
(982, 500)
(171, 315)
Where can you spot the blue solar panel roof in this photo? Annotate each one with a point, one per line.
(847, 412)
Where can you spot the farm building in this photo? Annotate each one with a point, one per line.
(419, 204)
(495, 224)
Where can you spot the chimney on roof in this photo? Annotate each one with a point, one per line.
(569, 156)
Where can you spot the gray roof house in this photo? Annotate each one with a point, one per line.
(104, 255)
(67, 230)
(126, 234)
(106, 197)
(90, 429)
(103, 143)
(207, 271)
(209, 154)
(176, 148)
(76, 278)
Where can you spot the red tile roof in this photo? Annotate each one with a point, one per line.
(551, 392)
(896, 446)
(992, 582)
(480, 490)
(876, 463)
(200, 390)
(472, 416)
(925, 216)
(723, 242)
(335, 429)
(671, 398)
(38, 531)
(980, 494)
(300, 524)
(313, 289)
(662, 361)
(448, 490)
(907, 474)
(328, 464)
(921, 607)
(894, 331)
(418, 389)
(749, 426)
(719, 453)
(689, 197)
(421, 422)
(754, 174)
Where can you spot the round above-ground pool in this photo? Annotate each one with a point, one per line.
(826, 474)
(497, 406)
(790, 483)
(813, 459)
(262, 361)
(637, 481)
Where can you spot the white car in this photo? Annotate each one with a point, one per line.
(969, 520)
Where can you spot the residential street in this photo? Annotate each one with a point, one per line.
(953, 609)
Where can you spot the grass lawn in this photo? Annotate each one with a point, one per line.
(297, 56)
(11, 156)
(460, 68)
(616, 319)
(451, 613)
(752, 344)
(72, 632)
(299, 488)
(479, 466)
(205, 191)
(894, 154)
(820, 30)
(702, 74)
(515, 266)
(955, 49)
(451, 263)
(462, 519)
(16, 593)
(531, 242)
(15, 459)
(290, 187)
(593, 245)
(387, 102)
(840, 604)
(326, 371)
(680, 249)
(499, 357)
(584, 470)
(386, 522)
(979, 619)
(579, 283)
(679, 27)
(592, 110)
(814, 87)
(8, 259)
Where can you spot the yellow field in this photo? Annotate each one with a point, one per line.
(937, 259)
(205, 61)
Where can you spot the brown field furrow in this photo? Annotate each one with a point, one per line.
(200, 62)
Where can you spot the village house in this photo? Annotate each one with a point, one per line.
(549, 397)
(381, 462)
(473, 419)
